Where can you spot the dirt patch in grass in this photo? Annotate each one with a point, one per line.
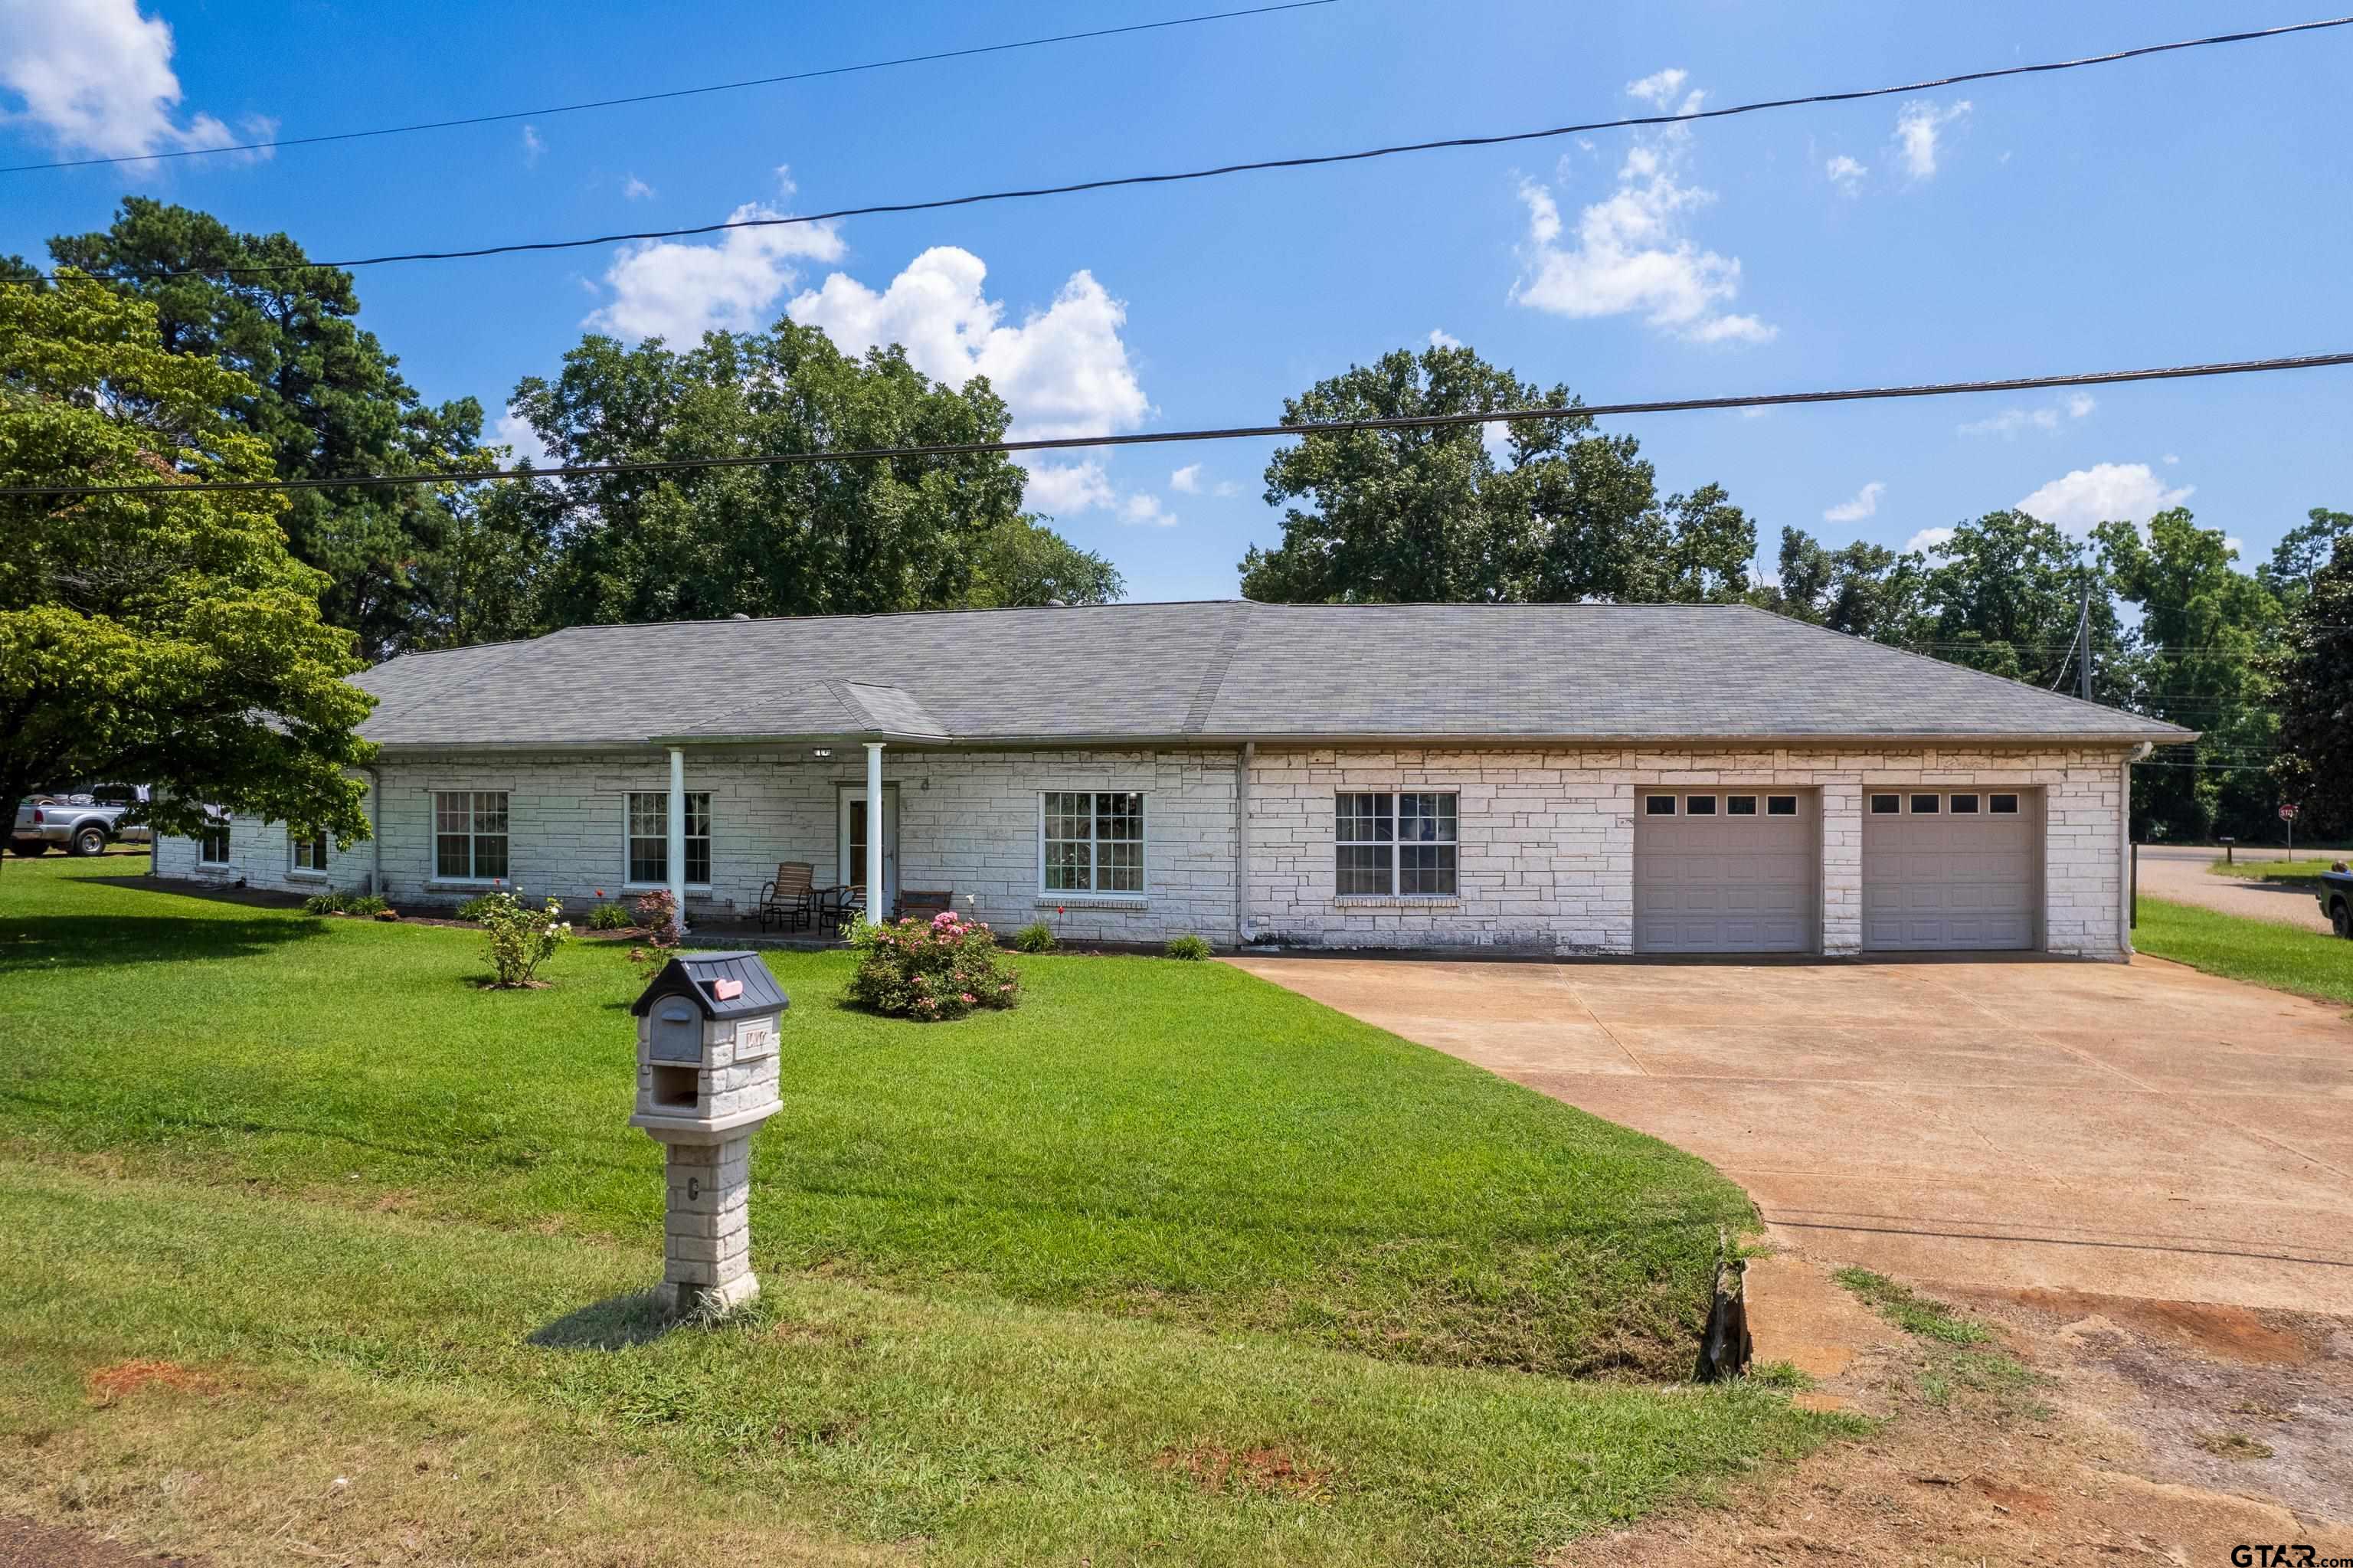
(25, 1544)
(111, 1384)
(1271, 1472)
(2152, 1431)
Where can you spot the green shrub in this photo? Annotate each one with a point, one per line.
(1035, 938)
(609, 917)
(325, 903)
(1189, 947)
(473, 909)
(930, 971)
(366, 904)
(520, 938)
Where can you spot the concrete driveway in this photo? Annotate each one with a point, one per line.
(2178, 873)
(2140, 1131)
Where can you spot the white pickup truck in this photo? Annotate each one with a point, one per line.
(79, 821)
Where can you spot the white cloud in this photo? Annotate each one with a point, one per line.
(2172, 458)
(1061, 489)
(2010, 421)
(1064, 371)
(1629, 253)
(1660, 87)
(532, 147)
(1146, 509)
(664, 289)
(514, 432)
(97, 77)
(1927, 539)
(1187, 479)
(1865, 503)
(2104, 492)
(1440, 338)
(1919, 126)
(636, 189)
(2236, 545)
(1846, 173)
(1225, 488)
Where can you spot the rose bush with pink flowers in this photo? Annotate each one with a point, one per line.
(930, 971)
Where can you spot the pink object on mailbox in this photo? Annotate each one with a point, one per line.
(726, 990)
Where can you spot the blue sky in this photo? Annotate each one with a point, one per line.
(2194, 207)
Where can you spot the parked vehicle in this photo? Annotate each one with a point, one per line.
(82, 822)
(2335, 896)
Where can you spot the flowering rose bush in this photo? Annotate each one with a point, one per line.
(522, 938)
(930, 971)
(657, 914)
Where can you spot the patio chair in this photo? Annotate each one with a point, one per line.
(924, 905)
(793, 900)
(849, 910)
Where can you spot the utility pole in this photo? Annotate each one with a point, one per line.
(2084, 644)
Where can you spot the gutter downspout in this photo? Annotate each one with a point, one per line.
(375, 830)
(2123, 850)
(674, 849)
(1243, 765)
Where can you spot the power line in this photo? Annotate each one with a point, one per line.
(1311, 161)
(659, 96)
(1160, 437)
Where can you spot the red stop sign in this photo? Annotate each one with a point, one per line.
(2287, 811)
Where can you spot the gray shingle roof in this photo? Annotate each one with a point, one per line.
(1216, 671)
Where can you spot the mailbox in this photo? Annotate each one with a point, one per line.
(707, 1075)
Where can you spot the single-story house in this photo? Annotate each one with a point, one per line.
(1566, 779)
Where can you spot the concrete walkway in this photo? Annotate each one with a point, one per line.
(2180, 875)
(2139, 1130)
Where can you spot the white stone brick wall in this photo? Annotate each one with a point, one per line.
(968, 822)
(1546, 858)
(1548, 837)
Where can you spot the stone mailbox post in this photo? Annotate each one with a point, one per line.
(706, 1080)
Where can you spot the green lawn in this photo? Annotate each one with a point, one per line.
(2284, 957)
(1167, 1260)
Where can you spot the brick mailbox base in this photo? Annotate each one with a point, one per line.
(707, 1227)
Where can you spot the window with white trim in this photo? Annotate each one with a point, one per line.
(470, 835)
(2002, 805)
(1886, 805)
(1396, 847)
(648, 835)
(307, 854)
(1091, 841)
(212, 842)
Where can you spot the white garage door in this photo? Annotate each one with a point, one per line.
(1949, 869)
(1725, 870)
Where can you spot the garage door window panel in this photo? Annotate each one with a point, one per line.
(1740, 805)
(1658, 805)
(1925, 805)
(2002, 805)
(1780, 805)
(1699, 805)
(1886, 805)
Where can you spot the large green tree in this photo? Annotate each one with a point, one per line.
(1553, 511)
(2314, 672)
(832, 537)
(322, 391)
(165, 638)
(2002, 594)
(2204, 626)
(1862, 590)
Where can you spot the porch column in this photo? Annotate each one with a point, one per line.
(676, 856)
(875, 907)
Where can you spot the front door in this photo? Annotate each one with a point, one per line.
(854, 828)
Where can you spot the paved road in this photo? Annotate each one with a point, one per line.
(2136, 1129)
(2179, 875)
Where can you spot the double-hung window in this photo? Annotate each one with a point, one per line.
(309, 854)
(470, 835)
(1395, 846)
(212, 843)
(1091, 841)
(650, 838)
